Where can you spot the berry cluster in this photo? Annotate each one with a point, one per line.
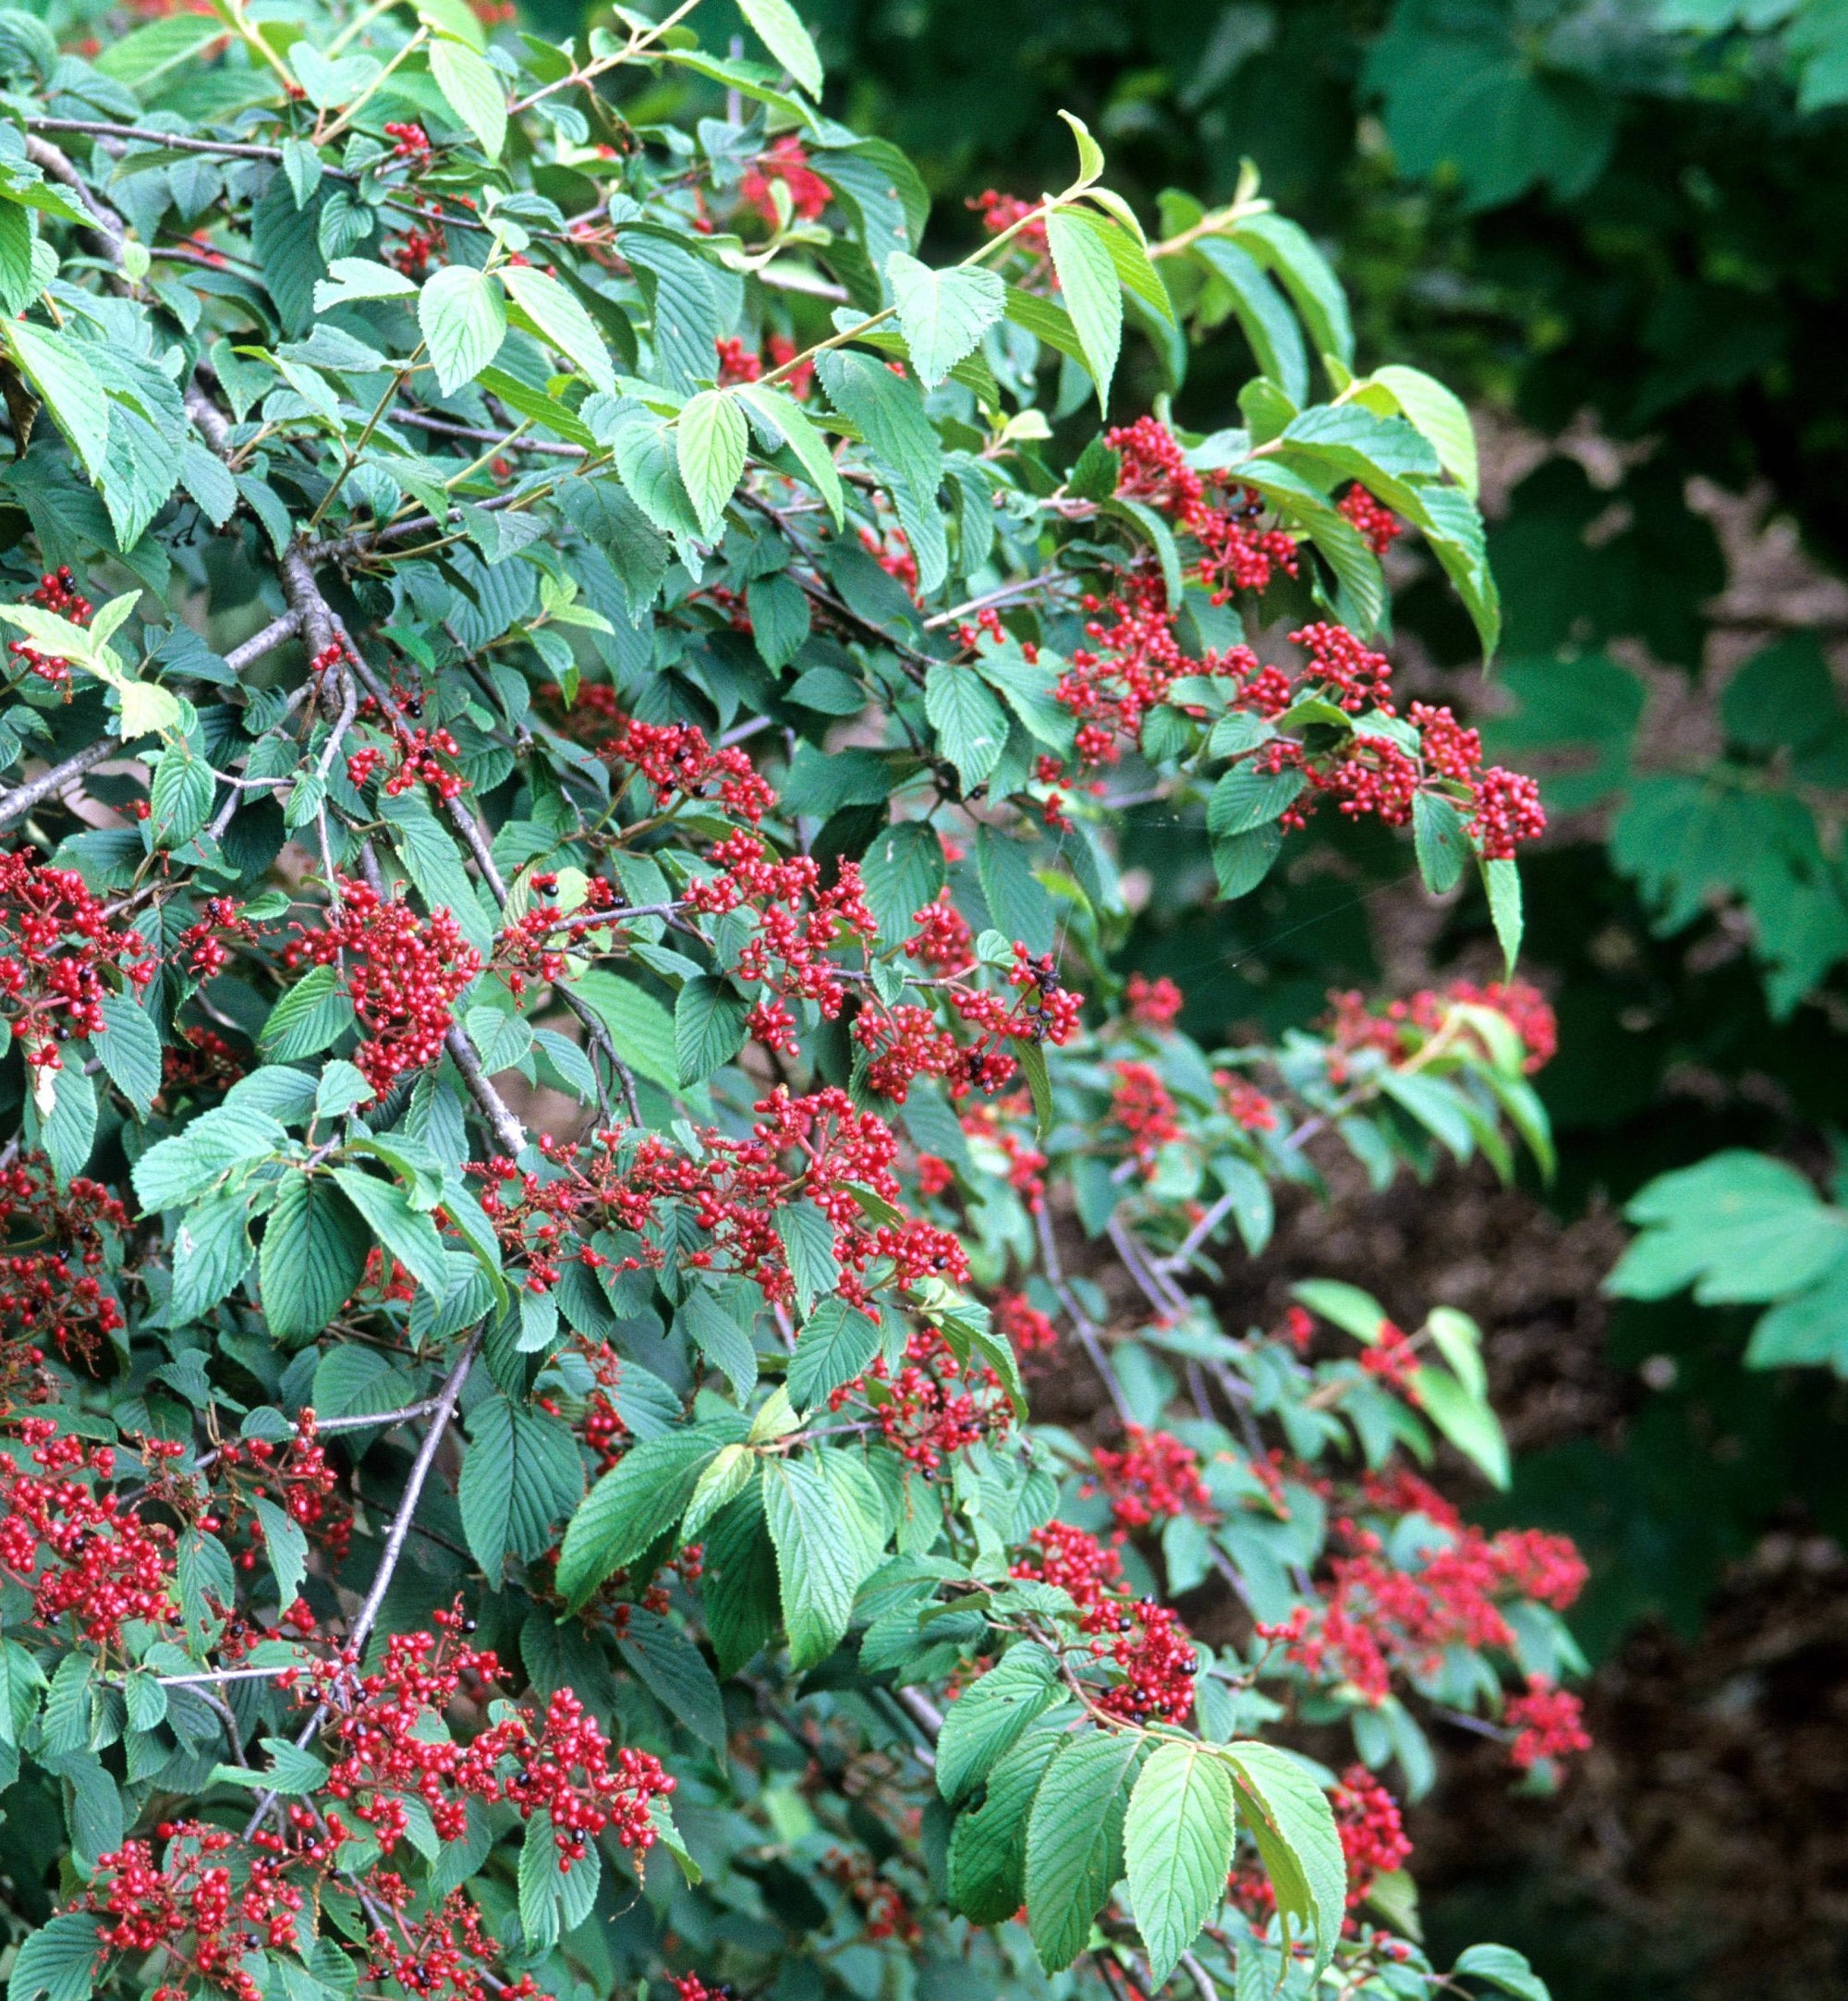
(1372, 1831)
(1001, 212)
(1026, 1328)
(68, 1540)
(410, 142)
(731, 1189)
(1153, 1479)
(1392, 1358)
(906, 1042)
(1399, 1029)
(209, 1907)
(201, 1060)
(1379, 527)
(797, 922)
(420, 756)
(1142, 1105)
(1235, 554)
(1549, 1725)
(56, 1245)
(55, 591)
(1153, 1004)
(1145, 1642)
(401, 971)
(738, 364)
(57, 943)
(297, 1474)
(1246, 1105)
(204, 940)
(561, 1764)
(885, 1912)
(934, 1406)
(785, 161)
(677, 763)
(1375, 1618)
(445, 1951)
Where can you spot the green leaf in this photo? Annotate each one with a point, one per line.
(148, 53)
(674, 1672)
(1177, 1843)
(292, 1770)
(710, 446)
(777, 25)
(640, 1029)
(1269, 327)
(212, 1251)
(1738, 1227)
(562, 321)
(1090, 154)
(943, 313)
(738, 1591)
(69, 1130)
(820, 1560)
(521, 1475)
(1032, 1061)
(987, 1719)
(1440, 414)
(1243, 861)
(1016, 900)
(808, 1240)
(889, 413)
(1092, 291)
(987, 1846)
(406, 1233)
(1351, 1309)
(1441, 840)
(58, 1961)
(57, 370)
(130, 1047)
(472, 89)
(182, 1168)
(462, 317)
(17, 288)
(970, 722)
(180, 797)
(1284, 249)
(639, 1499)
(1502, 881)
(837, 1343)
(785, 416)
(286, 1545)
(709, 1026)
(1075, 1841)
(312, 1013)
(1289, 1817)
(1248, 798)
(719, 1338)
(350, 278)
(1504, 1968)
(22, 1682)
(1466, 1419)
(903, 870)
(313, 1258)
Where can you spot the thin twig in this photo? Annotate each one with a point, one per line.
(1087, 1328)
(360, 1631)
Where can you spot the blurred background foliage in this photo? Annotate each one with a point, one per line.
(1618, 227)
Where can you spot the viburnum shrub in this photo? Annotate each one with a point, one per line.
(570, 732)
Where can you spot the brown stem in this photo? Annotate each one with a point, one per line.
(22, 798)
(368, 1615)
